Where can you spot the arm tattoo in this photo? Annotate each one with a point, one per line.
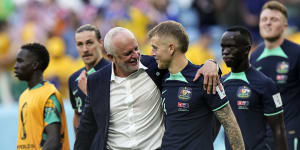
(231, 127)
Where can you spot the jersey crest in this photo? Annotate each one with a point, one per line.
(185, 93)
(243, 92)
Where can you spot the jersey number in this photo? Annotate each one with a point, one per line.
(78, 104)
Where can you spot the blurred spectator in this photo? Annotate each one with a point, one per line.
(6, 61)
(199, 51)
(250, 10)
(228, 12)
(293, 8)
(61, 66)
(6, 8)
(71, 22)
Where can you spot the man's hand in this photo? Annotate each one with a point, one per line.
(211, 77)
(76, 120)
(82, 81)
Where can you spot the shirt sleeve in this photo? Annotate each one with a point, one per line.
(72, 93)
(271, 99)
(298, 66)
(216, 101)
(52, 110)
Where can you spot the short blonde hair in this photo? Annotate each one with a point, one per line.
(173, 29)
(275, 5)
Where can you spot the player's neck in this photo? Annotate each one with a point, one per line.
(36, 78)
(242, 67)
(177, 64)
(274, 44)
(89, 67)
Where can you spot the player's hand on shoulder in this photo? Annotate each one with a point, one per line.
(210, 72)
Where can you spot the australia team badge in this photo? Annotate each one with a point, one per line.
(185, 93)
(243, 92)
(282, 67)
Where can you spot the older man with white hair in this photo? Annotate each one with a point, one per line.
(123, 109)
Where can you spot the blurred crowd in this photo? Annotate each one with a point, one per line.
(53, 23)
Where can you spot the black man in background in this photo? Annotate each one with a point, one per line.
(42, 122)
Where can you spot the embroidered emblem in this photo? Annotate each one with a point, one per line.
(282, 67)
(184, 93)
(243, 92)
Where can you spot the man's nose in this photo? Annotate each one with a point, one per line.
(16, 66)
(85, 48)
(153, 53)
(136, 54)
(225, 51)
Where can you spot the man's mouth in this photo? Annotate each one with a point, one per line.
(227, 58)
(267, 29)
(133, 61)
(87, 55)
(16, 73)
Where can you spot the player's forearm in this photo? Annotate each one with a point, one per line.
(280, 141)
(53, 137)
(231, 127)
(75, 121)
(277, 125)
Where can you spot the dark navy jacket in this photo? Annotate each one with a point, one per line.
(77, 97)
(94, 122)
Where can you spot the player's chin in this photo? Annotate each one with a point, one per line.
(133, 68)
(161, 66)
(88, 61)
(229, 63)
(20, 77)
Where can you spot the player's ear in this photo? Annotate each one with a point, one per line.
(35, 65)
(110, 57)
(172, 49)
(247, 50)
(101, 41)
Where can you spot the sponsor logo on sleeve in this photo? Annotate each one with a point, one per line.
(277, 100)
(220, 93)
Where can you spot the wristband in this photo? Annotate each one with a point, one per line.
(218, 68)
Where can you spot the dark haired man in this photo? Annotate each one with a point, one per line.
(42, 121)
(90, 48)
(254, 98)
(279, 59)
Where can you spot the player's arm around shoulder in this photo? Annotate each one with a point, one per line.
(231, 127)
(211, 72)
